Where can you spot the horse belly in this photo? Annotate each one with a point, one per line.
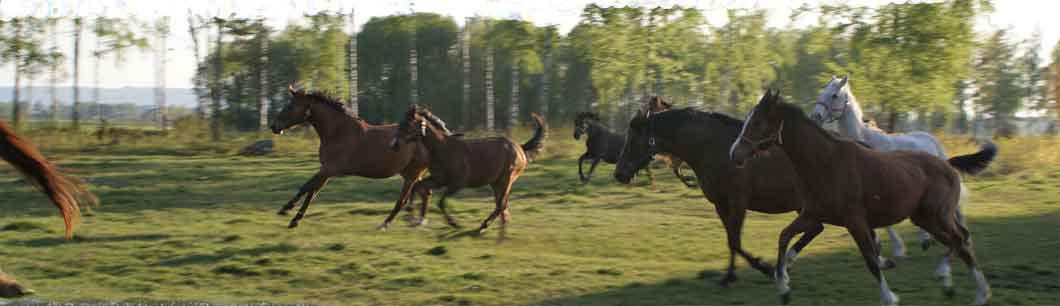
(892, 201)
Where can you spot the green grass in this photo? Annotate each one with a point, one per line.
(196, 223)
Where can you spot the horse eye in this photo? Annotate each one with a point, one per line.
(835, 96)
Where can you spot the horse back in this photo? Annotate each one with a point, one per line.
(895, 184)
(368, 154)
(491, 159)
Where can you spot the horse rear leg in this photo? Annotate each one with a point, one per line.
(651, 177)
(862, 234)
(801, 224)
(955, 236)
(406, 192)
(500, 197)
(315, 184)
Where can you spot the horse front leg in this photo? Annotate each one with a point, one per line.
(733, 221)
(862, 234)
(689, 182)
(805, 240)
(592, 168)
(301, 191)
(442, 206)
(801, 224)
(581, 176)
(403, 199)
(651, 177)
(315, 184)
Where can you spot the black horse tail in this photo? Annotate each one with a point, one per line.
(975, 162)
(536, 144)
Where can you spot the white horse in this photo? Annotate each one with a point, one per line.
(837, 103)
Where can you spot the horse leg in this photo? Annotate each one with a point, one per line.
(803, 241)
(955, 236)
(505, 214)
(689, 182)
(500, 195)
(441, 206)
(315, 184)
(582, 177)
(425, 200)
(898, 243)
(651, 177)
(592, 168)
(301, 191)
(883, 262)
(406, 192)
(801, 224)
(863, 237)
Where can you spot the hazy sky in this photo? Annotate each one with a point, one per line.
(1022, 16)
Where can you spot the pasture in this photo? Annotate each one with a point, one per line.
(195, 222)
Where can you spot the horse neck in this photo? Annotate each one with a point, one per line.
(331, 124)
(702, 151)
(808, 146)
(436, 143)
(597, 132)
(850, 123)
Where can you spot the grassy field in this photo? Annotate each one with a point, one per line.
(197, 223)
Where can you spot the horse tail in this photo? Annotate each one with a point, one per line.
(975, 162)
(536, 144)
(66, 193)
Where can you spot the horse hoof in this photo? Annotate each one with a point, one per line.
(282, 212)
(293, 224)
(481, 230)
(949, 292)
(785, 298)
(726, 280)
(418, 223)
(382, 227)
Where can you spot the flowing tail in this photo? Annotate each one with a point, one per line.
(974, 163)
(66, 193)
(536, 144)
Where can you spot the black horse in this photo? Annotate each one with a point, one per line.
(602, 144)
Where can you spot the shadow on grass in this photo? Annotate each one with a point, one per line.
(50, 242)
(1020, 265)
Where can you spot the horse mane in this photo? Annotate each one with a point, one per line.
(434, 121)
(695, 115)
(66, 193)
(328, 99)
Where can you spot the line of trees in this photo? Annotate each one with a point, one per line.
(910, 62)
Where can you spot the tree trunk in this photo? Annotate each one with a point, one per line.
(263, 90)
(543, 98)
(489, 83)
(76, 114)
(200, 109)
(215, 94)
(16, 106)
(465, 60)
(513, 106)
(53, 78)
(160, 89)
(354, 93)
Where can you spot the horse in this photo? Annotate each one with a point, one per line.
(859, 188)
(349, 146)
(838, 104)
(702, 140)
(602, 144)
(66, 193)
(456, 163)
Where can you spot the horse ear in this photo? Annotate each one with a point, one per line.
(843, 82)
(290, 89)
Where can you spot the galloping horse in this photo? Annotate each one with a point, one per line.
(702, 140)
(349, 146)
(456, 163)
(68, 194)
(837, 103)
(860, 189)
(602, 144)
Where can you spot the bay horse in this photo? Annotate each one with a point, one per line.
(603, 144)
(348, 146)
(457, 163)
(838, 104)
(860, 189)
(66, 193)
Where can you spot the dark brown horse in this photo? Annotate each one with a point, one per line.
(702, 140)
(348, 146)
(456, 163)
(860, 189)
(602, 144)
(68, 194)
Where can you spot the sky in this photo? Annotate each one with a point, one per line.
(1023, 17)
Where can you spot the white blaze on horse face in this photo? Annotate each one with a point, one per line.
(742, 130)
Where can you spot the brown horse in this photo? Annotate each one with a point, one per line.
(860, 189)
(456, 163)
(68, 194)
(702, 140)
(348, 146)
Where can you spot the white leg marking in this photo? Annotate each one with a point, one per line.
(886, 295)
(982, 295)
(942, 272)
(781, 276)
(899, 244)
(790, 257)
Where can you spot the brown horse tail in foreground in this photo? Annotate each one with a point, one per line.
(68, 194)
(536, 144)
(457, 163)
(10, 289)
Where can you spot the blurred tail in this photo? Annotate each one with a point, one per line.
(975, 162)
(66, 193)
(536, 144)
